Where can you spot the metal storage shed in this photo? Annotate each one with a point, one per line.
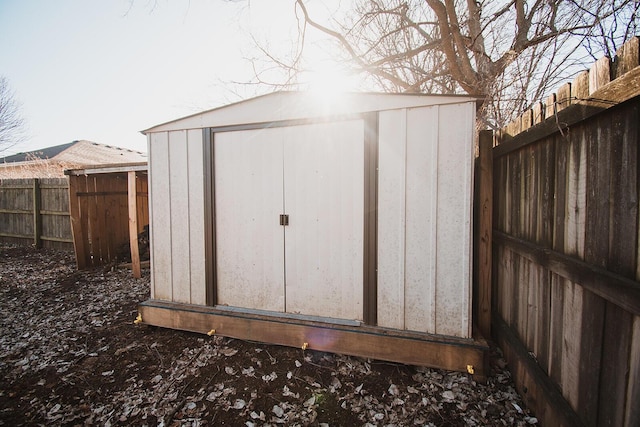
(339, 225)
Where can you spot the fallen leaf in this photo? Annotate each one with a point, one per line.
(448, 396)
(287, 393)
(267, 378)
(228, 351)
(261, 416)
(393, 390)
(309, 402)
(239, 404)
(54, 409)
(278, 411)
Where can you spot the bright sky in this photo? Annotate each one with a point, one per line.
(104, 70)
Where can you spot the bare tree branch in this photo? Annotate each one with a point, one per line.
(12, 125)
(509, 51)
(350, 49)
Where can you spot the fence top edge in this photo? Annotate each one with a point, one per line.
(622, 90)
(605, 75)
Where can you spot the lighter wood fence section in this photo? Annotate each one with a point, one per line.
(49, 226)
(566, 291)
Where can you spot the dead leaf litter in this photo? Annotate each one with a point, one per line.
(70, 354)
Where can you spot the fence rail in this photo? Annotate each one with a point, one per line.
(35, 210)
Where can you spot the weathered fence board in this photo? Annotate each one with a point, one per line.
(566, 235)
(632, 409)
(613, 386)
(533, 383)
(35, 211)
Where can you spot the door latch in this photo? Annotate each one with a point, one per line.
(284, 219)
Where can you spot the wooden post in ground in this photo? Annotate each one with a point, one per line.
(37, 219)
(133, 224)
(485, 195)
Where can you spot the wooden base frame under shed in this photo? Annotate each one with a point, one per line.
(436, 351)
(344, 228)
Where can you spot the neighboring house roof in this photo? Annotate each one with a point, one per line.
(285, 105)
(52, 161)
(44, 153)
(80, 152)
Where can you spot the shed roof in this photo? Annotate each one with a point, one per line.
(287, 105)
(109, 168)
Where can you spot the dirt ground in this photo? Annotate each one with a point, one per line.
(70, 355)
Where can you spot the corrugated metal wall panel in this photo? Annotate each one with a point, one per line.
(422, 190)
(195, 157)
(179, 222)
(455, 194)
(392, 159)
(160, 212)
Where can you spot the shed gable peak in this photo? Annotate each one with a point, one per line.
(287, 105)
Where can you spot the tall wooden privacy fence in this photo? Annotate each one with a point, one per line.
(107, 208)
(566, 258)
(35, 211)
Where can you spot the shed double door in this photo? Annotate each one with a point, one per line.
(311, 177)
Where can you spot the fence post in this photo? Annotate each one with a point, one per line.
(37, 218)
(485, 205)
(75, 216)
(133, 224)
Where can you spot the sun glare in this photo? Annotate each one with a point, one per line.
(327, 83)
